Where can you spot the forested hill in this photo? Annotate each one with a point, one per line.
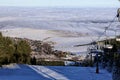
(21, 50)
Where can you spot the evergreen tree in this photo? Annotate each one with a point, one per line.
(23, 51)
(6, 49)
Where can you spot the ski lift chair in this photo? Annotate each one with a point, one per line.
(108, 45)
(117, 34)
(117, 38)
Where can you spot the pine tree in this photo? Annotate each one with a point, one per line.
(22, 52)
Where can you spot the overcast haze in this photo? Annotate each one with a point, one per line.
(61, 3)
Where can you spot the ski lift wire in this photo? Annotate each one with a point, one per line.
(91, 37)
(104, 33)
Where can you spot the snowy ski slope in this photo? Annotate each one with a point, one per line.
(29, 72)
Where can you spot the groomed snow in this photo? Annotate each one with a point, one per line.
(30, 72)
(71, 73)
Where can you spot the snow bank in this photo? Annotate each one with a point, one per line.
(11, 66)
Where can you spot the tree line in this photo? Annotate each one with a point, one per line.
(14, 51)
(17, 50)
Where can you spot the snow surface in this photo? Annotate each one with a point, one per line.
(30, 72)
(71, 73)
(22, 73)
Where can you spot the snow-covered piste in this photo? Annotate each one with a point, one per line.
(30, 72)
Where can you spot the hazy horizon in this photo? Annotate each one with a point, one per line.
(61, 3)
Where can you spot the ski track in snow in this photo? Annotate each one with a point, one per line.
(71, 73)
(46, 72)
(34, 72)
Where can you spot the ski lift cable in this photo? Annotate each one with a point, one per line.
(91, 37)
(104, 32)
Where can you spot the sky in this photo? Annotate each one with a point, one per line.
(61, 3)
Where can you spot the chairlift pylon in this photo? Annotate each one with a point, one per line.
(118, 14)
